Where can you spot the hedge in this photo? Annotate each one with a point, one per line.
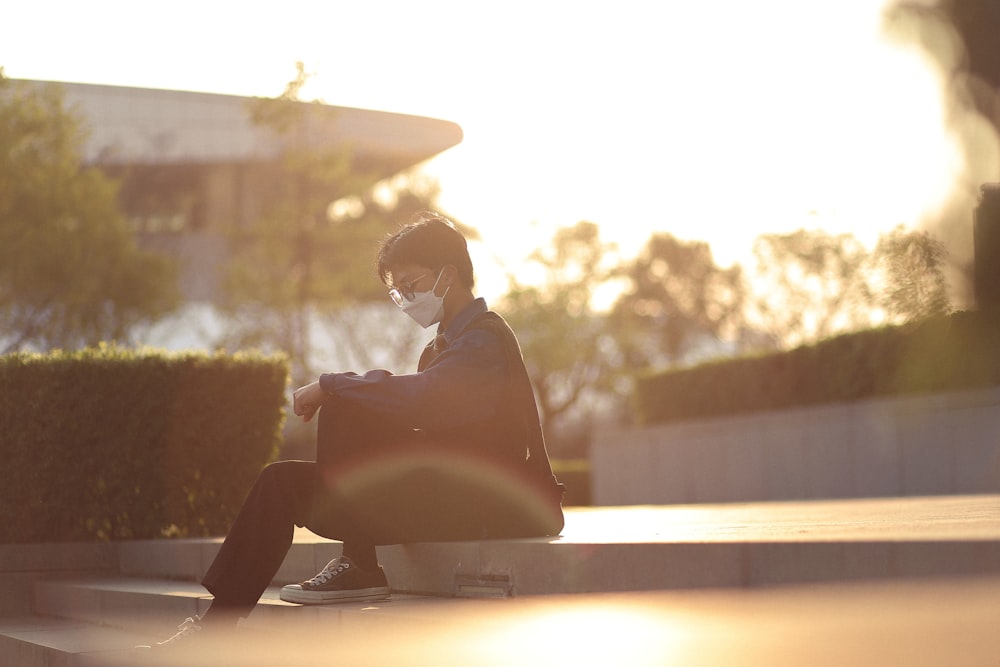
(949, 352)
(110, 444)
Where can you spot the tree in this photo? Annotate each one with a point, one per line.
(308, 258)
(809, 285)
(975, 23)
(70, 271)
(909, 267)
(676, 300)
(960, 36)
(564, 341)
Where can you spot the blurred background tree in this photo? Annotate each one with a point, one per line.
(908, 273)
(676, 303)
(973, 62)
(672, 305)
(308, 259)
(808, 285)
(71, 274)
(564, 340)
(811, 285)
(960, 37)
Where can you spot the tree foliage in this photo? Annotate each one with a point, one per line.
(675, 305)
(908, 269)
(975, 23)
(811, 285)
(676, 299)
(70, 271)
(308, 258)
(563, 339)
(808, 285)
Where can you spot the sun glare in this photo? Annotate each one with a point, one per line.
(711, 121)
(803, 118)
(596, 634)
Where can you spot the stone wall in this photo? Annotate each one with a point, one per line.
(916, 445)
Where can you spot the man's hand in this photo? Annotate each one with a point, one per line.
(307, 400)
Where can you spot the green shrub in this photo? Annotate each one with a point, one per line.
(948, 352)
(110, 444)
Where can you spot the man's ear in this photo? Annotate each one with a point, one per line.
(450, 276)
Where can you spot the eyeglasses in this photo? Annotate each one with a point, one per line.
(404, 292)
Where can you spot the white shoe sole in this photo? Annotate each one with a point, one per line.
(296, 594)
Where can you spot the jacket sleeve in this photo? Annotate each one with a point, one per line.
(463, 385)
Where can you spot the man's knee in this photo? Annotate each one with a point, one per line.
(287, 475)
(286, 487)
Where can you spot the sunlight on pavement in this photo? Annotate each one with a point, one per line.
(933, 622)
(613, 634)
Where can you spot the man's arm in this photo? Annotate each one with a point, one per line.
(463, 385)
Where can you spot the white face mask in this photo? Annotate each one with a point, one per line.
(426, 308)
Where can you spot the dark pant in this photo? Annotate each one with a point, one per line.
(373, 482)
(295, 493)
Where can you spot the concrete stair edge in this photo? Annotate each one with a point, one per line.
(46, 641)
(538, 567)
(144, 588)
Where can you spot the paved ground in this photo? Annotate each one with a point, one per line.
(918, 518)
(932, 622)
(921, 518)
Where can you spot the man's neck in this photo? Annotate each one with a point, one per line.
(454, 306)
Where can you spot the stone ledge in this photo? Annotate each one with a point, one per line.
(647, 548)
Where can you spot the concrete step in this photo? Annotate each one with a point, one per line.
(22, 564)
(100, 620)
(138, 605)
(915, 623)
(136, 592)
(44, 641)
(37, 641)
(661, 547)
(120, 602)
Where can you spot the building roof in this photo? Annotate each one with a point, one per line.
(151, 126)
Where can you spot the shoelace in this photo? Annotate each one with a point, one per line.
(329, 573)
(188, 627)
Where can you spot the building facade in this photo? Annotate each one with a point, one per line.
(194, 167)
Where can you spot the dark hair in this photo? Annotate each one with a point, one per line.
(428, 239)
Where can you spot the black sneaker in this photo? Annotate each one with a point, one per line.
(340, 581)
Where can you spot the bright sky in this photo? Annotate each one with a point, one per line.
(715, 121)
